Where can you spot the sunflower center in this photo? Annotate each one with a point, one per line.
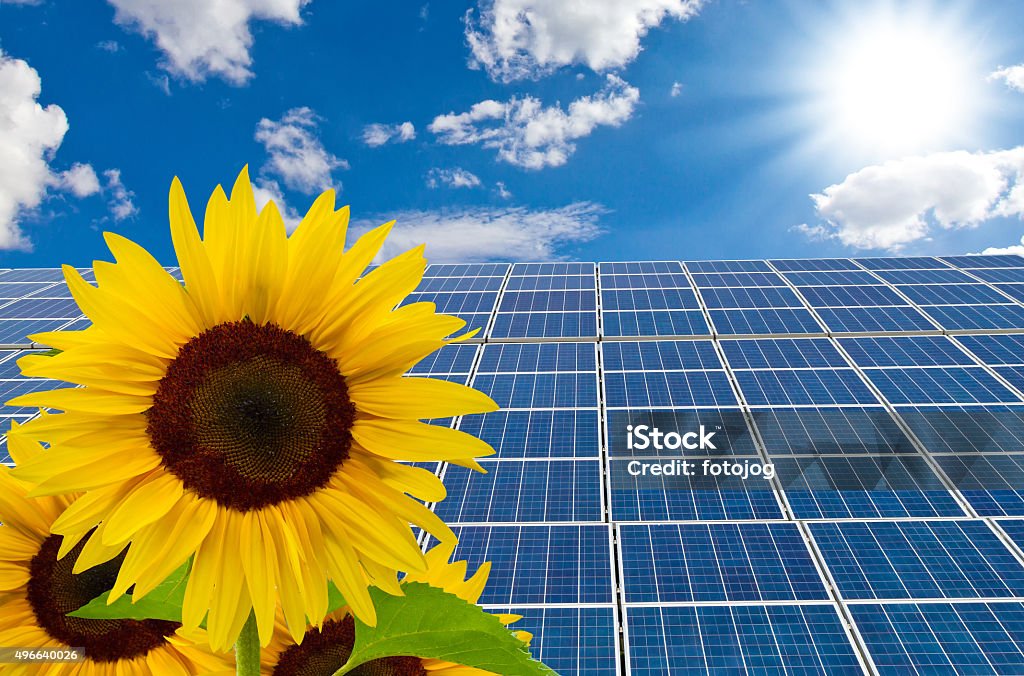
(53, 591)
(325, 651)
(250, 416)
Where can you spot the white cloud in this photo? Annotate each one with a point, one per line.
(203, 38)
(503, 192)
(890, 205)
(377, 134)
(119, 198)
(1017, 249)
(267, 191)
(296, 155)
(1013, 76)
(80, 180)
(485, 234)
(677, 89)
(453, 178)
(515, 39)
(29, 136)
(111, 46)
(529, 135)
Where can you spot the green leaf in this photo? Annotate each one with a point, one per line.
(49, 353)
(335, 601)
(163, 603)
(429, 622)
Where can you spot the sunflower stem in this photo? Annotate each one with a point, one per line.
(247, 649)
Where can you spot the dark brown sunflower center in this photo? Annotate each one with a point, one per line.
(53, 591)
(251, 415)
(325, 651)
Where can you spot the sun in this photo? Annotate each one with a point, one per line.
(893, 81)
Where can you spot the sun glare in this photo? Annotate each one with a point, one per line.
(894, 81)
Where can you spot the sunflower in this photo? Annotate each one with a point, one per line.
(38, 589)
(251, 417)
(325, 649)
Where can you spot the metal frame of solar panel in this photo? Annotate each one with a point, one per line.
(888, 394)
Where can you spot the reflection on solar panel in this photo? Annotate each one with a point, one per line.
(885, 394)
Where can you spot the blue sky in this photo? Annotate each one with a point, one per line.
(523, 129)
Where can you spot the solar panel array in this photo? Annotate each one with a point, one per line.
(885, 394)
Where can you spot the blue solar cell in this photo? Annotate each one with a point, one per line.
(41, 308)
(467, 270)
(20, 289)
(16, 331)
(547, 301)
(523, 269)
(778, 639)
(450, 284)
(731, 433)
(992, 484)
(713, 279)
(528, 490)
(456, 303)
(782, 353)
(540, 564)
(864, 487)
(526, 357)
(1014, 291)
(841, 278)
(997, 261)
(952, 294)
(648, 299)
(1005, 275)
(538, 434)
(457, 358)
(813, 264)
(655, 323)
(815, 431)
(922, 385)
(540, 390)
(750, 297)
(1012, 374)
(660, 355)
(639, 267)
(34, 275)
(943, 276)
(967, 429)
(918, 559)
(902, 263)
(701, 497)
(800, 388)
(544, 325)
(671, 389)
(764, 322)
(997, 349)
(960, 317)
(572, 641)
(9, 369)
(850, 296)
(659, 281)
(905, 351)
(569, 282)
(727, 266)
(874, 319)
(943, 638)
(665, 563)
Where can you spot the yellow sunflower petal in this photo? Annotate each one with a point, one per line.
(196, 269)
(150, 501)
(418, 398)
(416, 441)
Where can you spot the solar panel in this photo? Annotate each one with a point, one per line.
(749, 639)
(668, 563)
(934, 638)
(861, 486)
(890, 446)
(918, 560)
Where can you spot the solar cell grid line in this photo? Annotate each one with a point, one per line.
(928, 559)
(726, 266)
(660, 355)
(573, 641)
(736, 279)
(953, 294)
(960, 429)
(541, 565)
(992, 484)
(538, 357)
(811, 264)
(851, 296)
(980, 637)
(639, 267)
(940, 385)
(782, 353)
(748, 639)
(985, 261)
(998, 275)
(901, 263)
(15, 290)
(523, 491)
(917, 277)
(898, 351)
(717, 563)
(1014, 291)
(824, 430)
(1001, 349)
(836, 278)
(863, 486)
